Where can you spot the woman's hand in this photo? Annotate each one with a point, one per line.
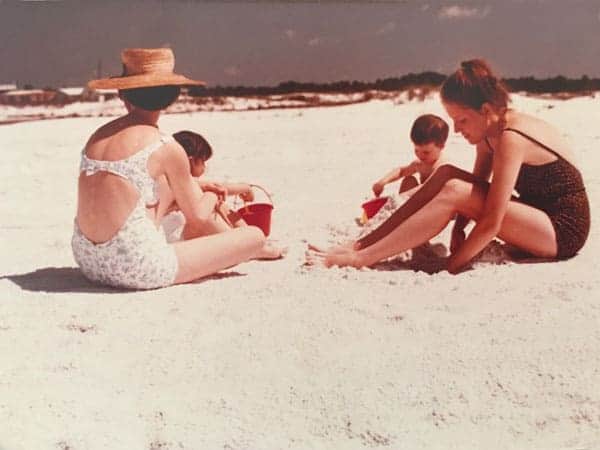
(453, 267)
(247, 194)
(457, 238)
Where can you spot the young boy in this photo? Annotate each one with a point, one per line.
(428, 134)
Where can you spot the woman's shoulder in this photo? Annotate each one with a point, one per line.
(538, 132)
(125, 137)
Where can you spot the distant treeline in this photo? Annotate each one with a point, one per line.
(412, 80)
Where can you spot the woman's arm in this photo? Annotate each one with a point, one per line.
(482, 169)
(420, 198)
(506, 163)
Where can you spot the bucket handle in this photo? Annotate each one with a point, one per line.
(258, 187)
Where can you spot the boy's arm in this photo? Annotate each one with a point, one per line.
(393, 175)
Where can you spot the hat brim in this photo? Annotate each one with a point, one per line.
(147, 80)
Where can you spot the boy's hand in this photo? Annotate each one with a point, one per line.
(247, 195)
(378, 188)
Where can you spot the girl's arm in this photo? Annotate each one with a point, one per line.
(506, 163)
(196, 206)
(242, 189)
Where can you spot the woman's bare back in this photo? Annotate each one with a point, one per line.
(106, 200)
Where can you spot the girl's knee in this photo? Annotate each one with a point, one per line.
(255, 235)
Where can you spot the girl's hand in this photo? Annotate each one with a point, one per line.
(216, 188)
(247, 195)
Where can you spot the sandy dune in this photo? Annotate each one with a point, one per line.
(273, 355)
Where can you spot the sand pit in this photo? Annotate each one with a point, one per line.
(273, 355)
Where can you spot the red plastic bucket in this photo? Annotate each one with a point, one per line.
(258, 214)
(373, 206)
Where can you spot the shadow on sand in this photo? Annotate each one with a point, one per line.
(58, 279)
(433, 258)
(70, 279)
(427, 258)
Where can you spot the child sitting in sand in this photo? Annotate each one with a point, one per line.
(173, 223)
(428, 135)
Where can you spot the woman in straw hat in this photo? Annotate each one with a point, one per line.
(549, 219)
(115, 241)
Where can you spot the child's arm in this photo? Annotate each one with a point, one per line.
(244, 190)
(209, 186)
(208, 201)
(393, 175)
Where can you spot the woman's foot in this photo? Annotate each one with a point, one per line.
(340, 248)
(342, 257)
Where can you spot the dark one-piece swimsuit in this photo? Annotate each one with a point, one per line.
(557, 189)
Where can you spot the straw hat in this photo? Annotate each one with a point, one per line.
(145, 67)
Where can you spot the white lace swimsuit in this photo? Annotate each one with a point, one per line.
(138, 256)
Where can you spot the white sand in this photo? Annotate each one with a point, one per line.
(275, 355)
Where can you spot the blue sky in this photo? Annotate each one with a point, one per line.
(60, 43)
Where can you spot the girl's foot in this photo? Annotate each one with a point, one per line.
(271, 252)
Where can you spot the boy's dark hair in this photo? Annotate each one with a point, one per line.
(151, 98)
(429, 128)
(194, 145)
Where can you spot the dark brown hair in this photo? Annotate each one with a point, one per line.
(429, 128)
(151, 98)
(474, 84)
(194, 145)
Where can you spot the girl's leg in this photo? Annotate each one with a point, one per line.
(523, 226)
(219, 225)
(204, 256)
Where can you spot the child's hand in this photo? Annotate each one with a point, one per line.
(378, 188)
(217, 188)
(247, 195)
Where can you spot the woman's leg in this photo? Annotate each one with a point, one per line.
(523, 226)
(418, 198)
(204, 256)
